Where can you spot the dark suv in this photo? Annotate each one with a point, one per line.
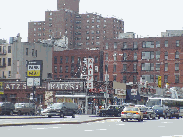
(174, 112)
(6, 108)
(161, 111)
(62, 109)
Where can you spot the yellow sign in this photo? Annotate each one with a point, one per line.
(1, 92)
(159, 81)
(1, 86)
(33, 73)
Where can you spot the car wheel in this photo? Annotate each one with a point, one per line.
(158, 117)
(11, 112)
(177, 117)
(49, 116)
(19, 112)
(119, 115)
(61, 115)
(170, 116)
(154, 118)
(122, 119)
(127, 120)
(103, 114)
(73, 115)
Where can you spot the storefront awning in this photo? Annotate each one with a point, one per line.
(70, 96)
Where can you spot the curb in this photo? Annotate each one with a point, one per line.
(52, 123)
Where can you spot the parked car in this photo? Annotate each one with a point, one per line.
(112, 110)
(24, 108)
(44, 111)
(174, 112)
(148, 112)
(131, 113)
(6, 108)
(62, 109)
(161, 111)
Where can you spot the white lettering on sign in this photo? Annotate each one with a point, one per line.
(90, 73)
(65, 86)
(18, 86)
(9, 86)
(33, 67)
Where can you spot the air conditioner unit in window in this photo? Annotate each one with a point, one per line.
(96, 68)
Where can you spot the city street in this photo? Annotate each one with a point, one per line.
(107, 128)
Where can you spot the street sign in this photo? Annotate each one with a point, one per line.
(159, 81)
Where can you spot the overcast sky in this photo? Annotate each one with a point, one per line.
(144, 17)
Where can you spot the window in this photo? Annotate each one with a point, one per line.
(148, 55)
(115, 45)
(79, 60)
(34, 29)
(157, 54)
(148, 44)
(67, 59)
(176, 55)
(104, 31)
(124, 45)
(176, 78)
(32, 52)
(92, 32)
(61, 58)
(55, 76)
(114, 77)
(72, 68)
(106, 56)
(96, 59)
(165, 78)
(114, 68)
(166, 43)
(124, 67)
(151, 78)
(134, 79)
(98, 26)
(72, 59)
(157, 44)
(87, 43)
(135, 45)
(157, 78)
(88, 16)
(87, 38)
(166, 55)
(166, 66)
(49, 75)
(92, 27)
(50, 13)
(176, 66)
(97, 37)
(9, 61)
(92, 21)
(36, 53)
(78, 21)
(92, 38)
(66, 76)
(124, 79)
(115, 56)
(87, 27)
(135, 67)
(34, 23)
(157, 66)
(104, 20)
(177, 43)
(61, 69)
(125, 56)
(50, 24)
(135, 56)
(9, 73)
(27, 51)
(55, 59)
(9, 49)
(106, 68)
(88, 21)
(147, 66)
(55, 69)
(95, 78)
(66, 69)
(98, 21)
(106, 46)
(97, 32)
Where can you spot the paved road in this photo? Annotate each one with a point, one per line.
(105, 128)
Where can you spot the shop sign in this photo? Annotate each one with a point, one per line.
(65, 86)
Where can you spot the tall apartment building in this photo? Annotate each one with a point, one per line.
(81, 30)
(172, 33)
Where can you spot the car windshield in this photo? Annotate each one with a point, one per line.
(143, 109)
(56, 105)
(157, 107)
(18, 105)
(130, 109)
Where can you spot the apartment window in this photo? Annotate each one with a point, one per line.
(72, 59)
(26, 51)
(34, 29)
(106, 68)
(36, 53)
(124, 67)
(50, 13)
(92, 27)
(79, 60)
(166, 66)
(72, 68)
(95, 78)
(104, 20)
(166, 55)
(114, 68)
(124, 56)
(78, 21)
(157, 54)
(9, 61)
(98, 26)
(55, 69)
(87, 43)
(97, 32)
(135, 56)
(50, 24)
(104, 31)
(96, 59)
(92, 43)
(88, 21)
(61, 69)
(148, 55)
(135, 45)
(9, 73)
(93, 21)
(55, 59)
(135, 67)
(176, 66)
(157, 44)
(147, 66)
(87, 38)
(106, 56)
(34, 23)
(88, 16)
(176, 55)
(124, 45)
(124, 79)
(177, 43)
(66, 59)
(148, 44)
(66, 76)
(61, 58)
(115, 45)
(106, 46)
(134, 79)
(98, 21)
(166, 43)
(87, 27)
(151, 78)
(9, 49)
(176, 78)
(115, 56)
(97, 37)
(114, 77)
(92, 31)
(165, 78)
(157, 66)
(157, 78)
(66, 69)
(32, 52)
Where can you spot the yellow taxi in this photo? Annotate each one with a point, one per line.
(131, 112)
